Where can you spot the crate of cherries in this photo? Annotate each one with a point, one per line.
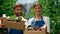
(32, 28)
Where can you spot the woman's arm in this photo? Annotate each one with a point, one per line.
(47, 22)
(48, 26)
(48, 33)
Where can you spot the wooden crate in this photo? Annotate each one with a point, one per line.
(11, 24)
(42, 31)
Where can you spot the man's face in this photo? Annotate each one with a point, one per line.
(18, 11)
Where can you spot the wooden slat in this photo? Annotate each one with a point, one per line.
(43, 31)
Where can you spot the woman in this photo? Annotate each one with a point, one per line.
(39, 20)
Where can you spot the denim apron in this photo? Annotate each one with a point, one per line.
(14, 31)
(38, 23)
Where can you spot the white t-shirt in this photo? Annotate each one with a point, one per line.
(46, 20)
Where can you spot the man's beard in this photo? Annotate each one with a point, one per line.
(18, 14)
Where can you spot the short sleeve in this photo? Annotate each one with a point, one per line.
(47, 22)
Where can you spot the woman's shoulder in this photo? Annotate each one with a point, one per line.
(31, 18)
(45, 17)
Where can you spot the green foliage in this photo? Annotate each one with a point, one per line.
(51, 8)
(6, 7)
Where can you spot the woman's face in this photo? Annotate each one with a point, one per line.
(37, 9)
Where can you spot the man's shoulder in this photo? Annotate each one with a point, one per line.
(23, 18)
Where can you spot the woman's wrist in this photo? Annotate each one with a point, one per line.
(48, 33)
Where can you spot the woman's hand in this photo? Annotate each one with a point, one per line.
(48, 33)
(0, 32)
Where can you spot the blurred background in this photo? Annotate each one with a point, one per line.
(51, 9)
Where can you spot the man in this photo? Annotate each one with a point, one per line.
(18, 9)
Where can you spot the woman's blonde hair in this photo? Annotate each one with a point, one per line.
(37, 3)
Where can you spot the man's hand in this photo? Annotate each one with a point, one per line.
(1, 25)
